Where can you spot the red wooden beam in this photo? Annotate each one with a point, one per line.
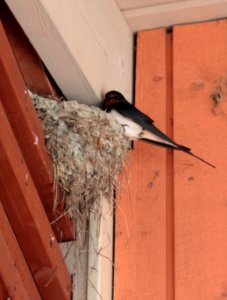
(27, 129)
(17, 282)
(28, 218)
(28, 60)
(3, 290)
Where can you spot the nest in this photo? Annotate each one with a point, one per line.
(88, 148)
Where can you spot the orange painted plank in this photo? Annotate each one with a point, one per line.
(200, 192)
(28, 131)
(14, 272)
(28, 219)
(140, 241)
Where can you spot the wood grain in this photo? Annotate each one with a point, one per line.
(140, 246)
(29, 63)
(200, 62)
(28, 219)
(132, 4)
(14, 272)
(29, 134)
(87, 46)
(171, 236)
(178, 12)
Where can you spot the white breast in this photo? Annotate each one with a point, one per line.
(132, 129)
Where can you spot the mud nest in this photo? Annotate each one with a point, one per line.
(88, 149)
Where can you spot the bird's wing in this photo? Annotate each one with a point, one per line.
(131, 112)
(151, 133)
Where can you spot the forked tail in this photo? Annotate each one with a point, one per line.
(188, 151)
(176, 146)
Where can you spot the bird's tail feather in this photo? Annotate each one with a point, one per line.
(178, 147)
(198, 157)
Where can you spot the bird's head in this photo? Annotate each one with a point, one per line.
(111, 99)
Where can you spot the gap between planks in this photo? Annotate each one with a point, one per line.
(170, 257)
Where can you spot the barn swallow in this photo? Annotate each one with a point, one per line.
(138, 126)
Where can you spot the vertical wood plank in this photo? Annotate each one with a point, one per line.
(140, 240)
(200, 192)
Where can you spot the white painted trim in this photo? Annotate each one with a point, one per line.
(86, 45)
(100, 258)
(76, 260)
(132, 4)
(175, 13)
(92, 264)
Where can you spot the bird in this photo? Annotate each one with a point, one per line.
(139, 126)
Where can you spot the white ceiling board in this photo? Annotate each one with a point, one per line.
(175, 13)
(129, 4)
(86, 45)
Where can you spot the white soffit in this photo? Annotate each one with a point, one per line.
(131, 4)
(149, 14)
(86, 45)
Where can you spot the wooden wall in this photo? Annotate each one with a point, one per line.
(171, 221)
